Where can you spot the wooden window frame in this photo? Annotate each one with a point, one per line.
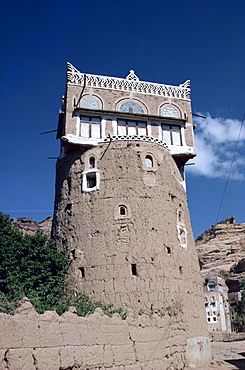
(127, 125)
(90, 121)
(171, 130)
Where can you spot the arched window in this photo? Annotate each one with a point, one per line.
(122, 210)
(170, 111)
(131, 107)
(90, 103)
(148, 161)
(91, 162)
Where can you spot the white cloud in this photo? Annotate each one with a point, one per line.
(215, 141)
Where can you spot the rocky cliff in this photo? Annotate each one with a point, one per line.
(221, 250)
(30, 227)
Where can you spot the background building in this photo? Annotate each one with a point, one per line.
(217, 305)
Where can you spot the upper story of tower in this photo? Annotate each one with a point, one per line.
(99, 109)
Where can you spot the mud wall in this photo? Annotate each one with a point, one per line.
(50, 342)
(136, 260)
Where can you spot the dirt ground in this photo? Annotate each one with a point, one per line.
(226, 356)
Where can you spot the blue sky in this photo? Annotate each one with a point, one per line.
(163, 41)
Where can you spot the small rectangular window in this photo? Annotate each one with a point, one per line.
(91, 180)
(133, 269)
(82, 272)
(171, 134)
(90, 127)
(142, 128)
(132, 130)
(129, 127)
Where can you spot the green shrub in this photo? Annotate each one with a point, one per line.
(31, 266)
(239, 317)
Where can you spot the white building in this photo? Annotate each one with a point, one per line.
(216, 304)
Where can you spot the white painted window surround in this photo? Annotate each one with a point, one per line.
(90, 180)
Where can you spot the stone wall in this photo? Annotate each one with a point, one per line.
(30, 341)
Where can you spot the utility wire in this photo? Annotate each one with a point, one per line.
(228, 177)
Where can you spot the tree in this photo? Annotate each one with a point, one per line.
(239, 318)
(30, 266)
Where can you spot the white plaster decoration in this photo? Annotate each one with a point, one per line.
(159, 130)
(74, 139)
(131, 107)
(90, 180)
(182, 150)
(182, 236)
(78, 124)
(90, 142)
(170, 111)
(136, 138)
(90, 103)
(103, 124)
(182, 133)
(128, 85)
(132, 76)
(148, 127)
(114, 126)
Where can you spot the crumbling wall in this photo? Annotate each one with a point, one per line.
(30, 341)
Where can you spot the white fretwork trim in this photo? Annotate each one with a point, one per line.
(132, 76)
(136, 138)
(129, 84)
(174, 149)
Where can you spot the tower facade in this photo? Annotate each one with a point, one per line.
(120, 207)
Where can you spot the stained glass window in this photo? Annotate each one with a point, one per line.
(131, 107)
(90, 103)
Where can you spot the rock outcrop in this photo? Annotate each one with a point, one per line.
(221, 250)
(30, 227)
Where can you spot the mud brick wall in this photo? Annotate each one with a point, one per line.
(30, 341)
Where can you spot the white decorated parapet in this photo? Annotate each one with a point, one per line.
(129, 84)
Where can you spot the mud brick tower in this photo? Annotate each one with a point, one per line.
(120, 206)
